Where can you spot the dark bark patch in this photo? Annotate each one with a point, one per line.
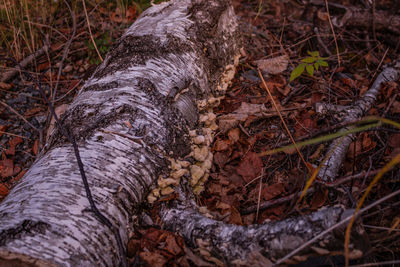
(26, 227)
(102, 87)
(83, 125)
(136, 50)
(215, 56)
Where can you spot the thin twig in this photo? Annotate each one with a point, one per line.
(273, 202)
(259, 195)
(90, 31)
(333, 32)
(69, 91)
(16, 135)
(344, 221)
(283, 121)
(65, 52)
(19, 115)
(13, 71)
(380, 64)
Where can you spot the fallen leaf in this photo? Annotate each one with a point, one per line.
(235, 217)
(241, 114)
(221, 158)
(250, 166)
(35, 147)
(3, 190)
(274, 65)
(153, 259)
(234, 135)
(19, 176)
(319, 198)
(172, 246)
(133, 247)
(221, 145)
(5, 86)
(2, 129)
(32, 111)
(6, 168)
(13, 142)
(396, 107)
(271, 191)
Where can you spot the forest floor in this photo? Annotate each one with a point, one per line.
(247, 184)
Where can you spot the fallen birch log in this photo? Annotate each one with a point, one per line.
(131, 120)
(43, 221)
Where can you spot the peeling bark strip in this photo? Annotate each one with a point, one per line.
(43, 221)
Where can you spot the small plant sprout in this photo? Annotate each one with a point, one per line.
(311, 63)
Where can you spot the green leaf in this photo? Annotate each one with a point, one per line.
(313, 53)
(323, 63)
(309, 60)
(297, 71)
(310, 69)
(316, 65)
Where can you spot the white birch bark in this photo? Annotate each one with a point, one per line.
(338, 149)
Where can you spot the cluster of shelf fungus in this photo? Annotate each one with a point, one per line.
(201, 139)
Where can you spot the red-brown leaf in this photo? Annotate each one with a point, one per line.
(250, 167)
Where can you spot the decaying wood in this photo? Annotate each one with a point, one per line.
(362, 18)
(182, 46)
(354, 112)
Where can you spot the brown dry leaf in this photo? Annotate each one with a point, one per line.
(13, 142)
(324, 16)
(153, 259)
(241, 114)
(35, 147)
(234, 135)
(32, 111)
(319, 199)
(221, 145)
(250, 167)
(3, 190)
(133, 247)
(2, 129)
(271, 191)
(197, 260)
(274, 65)
(396, 107)
(6, 168)
(221, 158)
(394, 140)
(5, 86)
(19, 176)
(172, 246)
(235, 217)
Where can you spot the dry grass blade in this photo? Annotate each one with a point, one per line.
(345, 220)
(385, 169)
(333, 32)
(90, 31)
(283, 121)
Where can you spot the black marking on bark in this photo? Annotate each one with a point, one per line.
(83, 125)
(26, 227)
(177, 139)
(137, 50)
(103, 87)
